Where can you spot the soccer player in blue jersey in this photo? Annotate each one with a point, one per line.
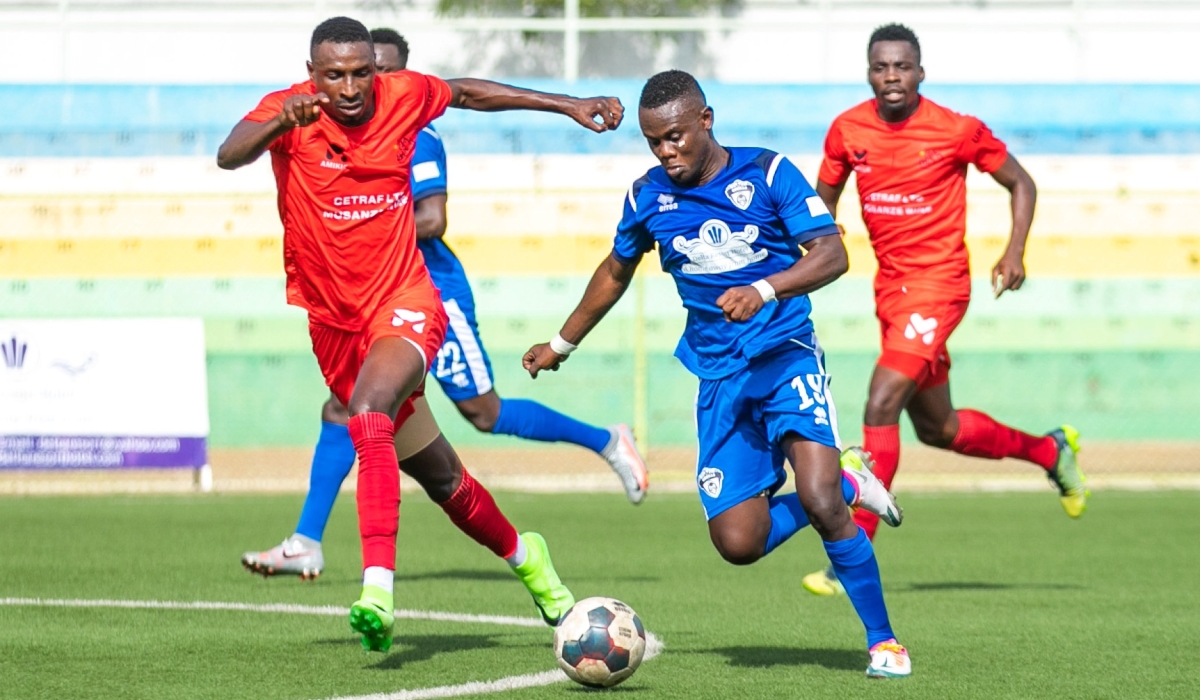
(730, 225)
(461, 368)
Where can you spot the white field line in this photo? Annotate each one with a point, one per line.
(654, 646)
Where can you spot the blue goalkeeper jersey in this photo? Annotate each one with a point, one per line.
(747, 223)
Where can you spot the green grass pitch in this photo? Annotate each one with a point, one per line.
(996, 596)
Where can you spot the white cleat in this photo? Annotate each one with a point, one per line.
(292, 556)
(873, 496)
(622, 455)
(889, 660)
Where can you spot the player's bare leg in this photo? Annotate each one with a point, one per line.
(818, 475)
(976, 434)
(753, 528)
(426, 456)
(392, 370)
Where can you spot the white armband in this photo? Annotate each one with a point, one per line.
(765, 289)
(560, 346)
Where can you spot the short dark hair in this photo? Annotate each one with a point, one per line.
(384, 35)
(340, 30)
(895, 32)
(669, 86)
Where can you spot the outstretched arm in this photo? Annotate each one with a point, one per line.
(826, 261)
(1009, 272)
(487, 96)
(249, 139)
(605, 289)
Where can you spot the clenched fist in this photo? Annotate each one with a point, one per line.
(541, 357)
(740, 303)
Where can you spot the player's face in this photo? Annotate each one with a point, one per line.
(387, 58)
(346, 73)
(894, 71)
(680, 136)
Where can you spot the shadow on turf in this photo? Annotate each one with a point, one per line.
(766, 657)
(410, 649)
(477, 575)
(986, 586)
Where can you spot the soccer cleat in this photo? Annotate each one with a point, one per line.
(1066, 475)
(552, 598)
(293, 556)
(873, 496)
(889, 660)
(623, 456)
(373, 617)
(823, 582)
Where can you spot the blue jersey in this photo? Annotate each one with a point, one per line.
(428, 177)
(747, 223)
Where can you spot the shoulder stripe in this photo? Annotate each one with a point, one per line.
(632, 199)
(636, 188)
(771, 171)
(429, 130)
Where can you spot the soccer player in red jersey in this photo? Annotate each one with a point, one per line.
(340, 147)
(910, 157)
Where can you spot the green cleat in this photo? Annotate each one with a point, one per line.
(373, 617)
(1066, 475)
(551, 597)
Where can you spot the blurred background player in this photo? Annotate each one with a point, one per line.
(728, 224)
(341, 144)
(462, 368)
(911, 156)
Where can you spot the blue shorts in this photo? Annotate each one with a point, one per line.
(462, 366)
(742, 420)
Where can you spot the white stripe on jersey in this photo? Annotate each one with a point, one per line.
(470, 346)
(771, 170)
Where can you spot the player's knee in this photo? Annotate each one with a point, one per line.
(334, 412)
(739, 548)
(883, 408)
(935, 435)
(483, 419)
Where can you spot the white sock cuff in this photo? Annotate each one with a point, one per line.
(518, 557)
(379, 576)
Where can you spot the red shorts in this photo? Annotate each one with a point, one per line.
(416, 317)
(915, 324)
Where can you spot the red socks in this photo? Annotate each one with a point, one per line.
(378, 488)
(883, 442)
(475, 512)
(981, 436)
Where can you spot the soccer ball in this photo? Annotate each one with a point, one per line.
(599, 642)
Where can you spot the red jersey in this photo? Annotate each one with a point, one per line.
(912, 183)
(349, 241)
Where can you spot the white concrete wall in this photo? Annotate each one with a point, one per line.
(265, 41)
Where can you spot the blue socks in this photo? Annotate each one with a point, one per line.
(788, 517)
(331, 463)
(854, 563)
(533, 421)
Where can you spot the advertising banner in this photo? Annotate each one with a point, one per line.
(103, 394)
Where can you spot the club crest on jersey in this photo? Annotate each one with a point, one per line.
(741, 193)
(710, 480)
(718, 249)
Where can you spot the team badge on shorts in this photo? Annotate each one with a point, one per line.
(710, 481)
(741, 193)
(923, 327)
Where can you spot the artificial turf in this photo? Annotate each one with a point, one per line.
(995, 595)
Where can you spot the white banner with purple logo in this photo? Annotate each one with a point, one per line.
(103, 393)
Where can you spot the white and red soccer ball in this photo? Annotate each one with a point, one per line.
(600, 642)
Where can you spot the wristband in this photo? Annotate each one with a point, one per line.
(765, 289)
(560, 346)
